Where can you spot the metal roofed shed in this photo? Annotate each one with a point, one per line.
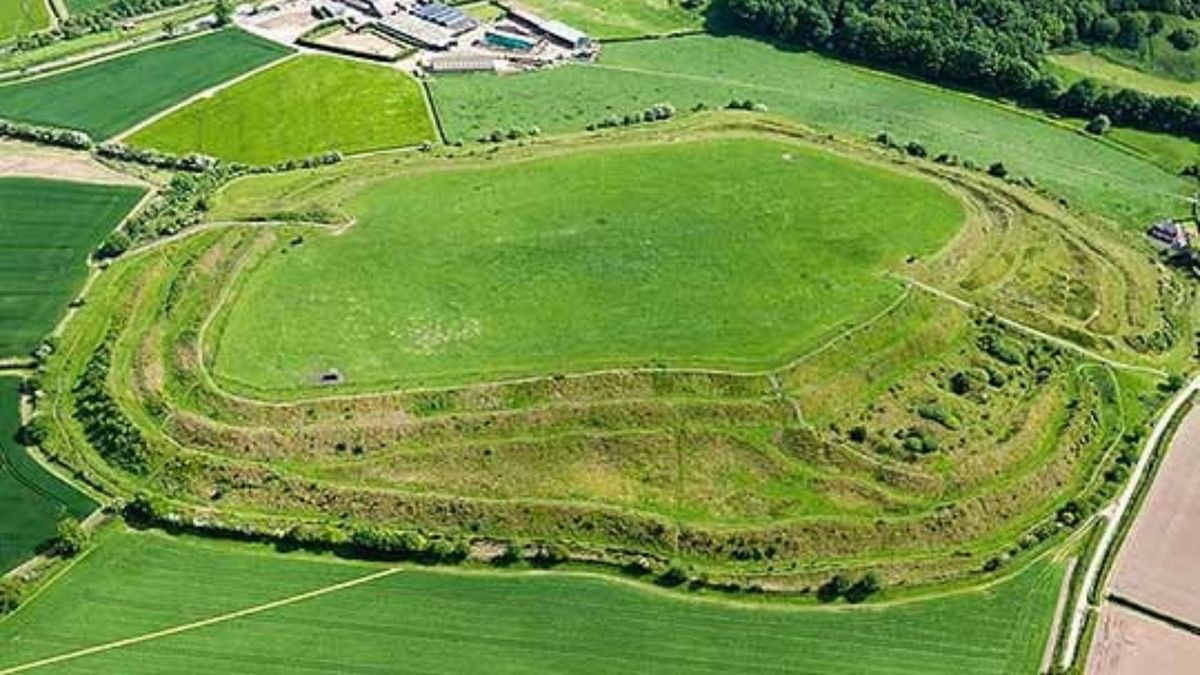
(409, 28)
(555, 30)
(451, 18)
(460, 63)
(510, 40)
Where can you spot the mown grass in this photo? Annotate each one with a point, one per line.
(1078, 65)
(734, 253)
(435, 621)
(18, 17)
(31, 499)
(1158, 56)
(82, 6)
(820, 92)
(331, 104)
(47, 230)
(608, 19)
(110, 96)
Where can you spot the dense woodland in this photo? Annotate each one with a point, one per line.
(995, 46)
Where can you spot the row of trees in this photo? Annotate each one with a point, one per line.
(108, 430)
(994, 46)
(109, 16)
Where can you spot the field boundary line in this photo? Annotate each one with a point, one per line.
(1154, 614)
(104, 57)
(195, 625)
(431, 109)
(120, 136)
(1035, 117)
(1153, 452)
(1030, 330)
(1060, 612)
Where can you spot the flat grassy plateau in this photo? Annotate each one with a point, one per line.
(423, 621)
(331, 104)
(584, 261)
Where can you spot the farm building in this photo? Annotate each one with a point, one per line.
(555, 30)
(408, 28)
(368, 7)
(328, 10)
(460, 63)
(1170, 233)
(509, 39)
(450, 18)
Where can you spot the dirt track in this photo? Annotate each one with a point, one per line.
(1128, 643)
(1157, 564)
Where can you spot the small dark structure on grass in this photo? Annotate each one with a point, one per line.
(331, 377)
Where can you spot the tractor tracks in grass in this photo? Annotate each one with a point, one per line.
(203, 623)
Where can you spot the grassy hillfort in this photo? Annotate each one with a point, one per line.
(583, 336)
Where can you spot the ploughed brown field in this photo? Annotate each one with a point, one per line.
(1129, 643)
(1157, 564)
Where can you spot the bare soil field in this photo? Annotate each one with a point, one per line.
(20, 159)
(1156, 566)
(1128, 643)
(362, 42)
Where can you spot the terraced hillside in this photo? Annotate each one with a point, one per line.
(925, 440)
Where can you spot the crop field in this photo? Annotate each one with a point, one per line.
(840, 98)
(423, 621)
(31, 499)
(608, 19)
(47, 230)
(326, 102)
(18, 17)
(626, 274)
(149, 81)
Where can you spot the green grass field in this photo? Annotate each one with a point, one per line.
(18, 17)
(83, 6)
(31, 499)
(1078, 65)
(822, 93)
(608, 19)
(421, 621)
(732, 253)
(332, 104)
(111, 96)
(47, 230)
(1157, 56)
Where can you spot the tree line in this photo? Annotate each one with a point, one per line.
(993, 46)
